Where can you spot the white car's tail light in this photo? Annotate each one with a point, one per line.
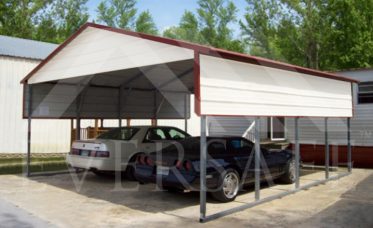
(102, 154)
(75, 151)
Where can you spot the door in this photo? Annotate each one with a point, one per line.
(277, 128)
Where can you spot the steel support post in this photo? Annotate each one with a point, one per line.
(185, 113)
(297, 153)
(349, 155)
(29, 112)
(203, 169)
(257, 158)
(120, 106)
(327, 160)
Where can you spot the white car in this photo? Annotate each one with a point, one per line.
(117, 149)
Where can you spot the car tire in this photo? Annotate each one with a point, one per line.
(289, 175)
(229, 185)
(130, 170)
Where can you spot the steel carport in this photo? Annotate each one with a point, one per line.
(134, 75)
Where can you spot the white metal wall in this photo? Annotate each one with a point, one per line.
(311, 129)
(48, 135)
(235, 88)
(97, 51)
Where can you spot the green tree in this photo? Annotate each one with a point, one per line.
(145, 24)
(327, 35)
(117, 13)
(122, 14)
(70, 16)
(349, 39)
(50, 21)
(215, 17)
(210, 27)
(17, 16)
(187, 30)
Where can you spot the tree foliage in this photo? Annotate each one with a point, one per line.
(44, 20)
(320, 34)
(211, 26)
(117, 13)
(145, 24)
(122, 14)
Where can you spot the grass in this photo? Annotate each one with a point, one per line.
(17, 165)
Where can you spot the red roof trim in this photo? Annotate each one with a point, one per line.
(196, 47)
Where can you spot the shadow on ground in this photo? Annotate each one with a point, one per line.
(131, 194)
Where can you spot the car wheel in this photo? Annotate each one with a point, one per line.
(130, 170)
(229, 186)
(289, 175)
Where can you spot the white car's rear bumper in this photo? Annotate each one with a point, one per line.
(103, 164)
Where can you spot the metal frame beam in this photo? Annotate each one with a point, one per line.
(183, 74)
(186, 113)
(327, 154)
(297, 152)
(203, 157)
(29, 110)
(257, 159)
(349, 149)
(270, 198)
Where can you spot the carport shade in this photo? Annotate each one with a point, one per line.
(103, 72)
(99, 68)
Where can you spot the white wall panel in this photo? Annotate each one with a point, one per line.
(97, 51)
(235, 88)
(312, 129)
(48, 136)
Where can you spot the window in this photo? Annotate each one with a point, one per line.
(365, 95)
(175, 134)
(119, 134)
(240, 144)
(155, 134)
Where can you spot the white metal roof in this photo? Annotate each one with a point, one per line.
(150, 76)
(31, 49)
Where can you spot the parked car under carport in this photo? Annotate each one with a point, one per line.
(108, 73)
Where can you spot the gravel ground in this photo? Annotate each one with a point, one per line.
(91, 201)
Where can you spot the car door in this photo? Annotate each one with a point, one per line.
(243, 153)
(270, 162)
(155, 138)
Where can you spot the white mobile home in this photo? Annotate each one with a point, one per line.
(17, 58)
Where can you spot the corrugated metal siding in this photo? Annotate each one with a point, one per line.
(59, 100)
(47, 135)
(234, 126)
(312, 130)
(234, 88)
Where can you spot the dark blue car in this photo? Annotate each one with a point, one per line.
(230, 166)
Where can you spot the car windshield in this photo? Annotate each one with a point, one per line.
(119, 133)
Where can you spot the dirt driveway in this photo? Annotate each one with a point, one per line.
(67, 200)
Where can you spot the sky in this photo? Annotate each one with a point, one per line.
(167, 13)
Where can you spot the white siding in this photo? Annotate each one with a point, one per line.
(234, 126)
(312, 130)
(97, 51)
(235, 88)
(47, 135)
